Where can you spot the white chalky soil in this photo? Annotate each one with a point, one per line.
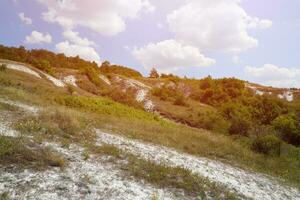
(252, 185)
(23, 68)
(70, 80)
(94, 178)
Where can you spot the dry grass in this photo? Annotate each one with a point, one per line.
(194, 114)
(70, 126)
(134, 123)
(26, 154)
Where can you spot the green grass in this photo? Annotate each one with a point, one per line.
(134, 123)
(26, 154)
(193, 114)
(165, 176)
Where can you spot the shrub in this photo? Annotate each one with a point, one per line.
(154, 73)
(71, 89)
(93, 75)
(257, 130)
(239, 126)
(268, 144)
(212, 120)
(118, 95)
(45, 65)
(180, 100)
(288, 128)
(118, 69)
(3, 67)
(165, 93)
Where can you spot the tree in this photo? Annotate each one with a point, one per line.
(106, 64)
(239, 126)
(154, 73)
(267, 144)
(288, 128)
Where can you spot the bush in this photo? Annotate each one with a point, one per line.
(288, 128)
(45, 66)
(165, 93)
(71, 89)
(257, 130)
(106, 68)
(154, 73)
(239, 126)
(268, 144)
(180, 100)
(127, 98)
(3, 67)
(212, 120)
(93, 75)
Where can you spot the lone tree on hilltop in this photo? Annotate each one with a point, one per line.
(154, 73)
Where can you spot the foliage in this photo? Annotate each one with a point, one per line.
(180, 100)
(165, 93)
(171, 77)
(240, 107)
(154, 73)
(71, 89)
(43, 59)
(93, 75)
(218, 91)
(239, 126)
(106, 67)
(265, 109)
(288, 127)
(212, 120)
(117, 118)
(118, 95)
(268, 144)
(44, 65)
(102, 106)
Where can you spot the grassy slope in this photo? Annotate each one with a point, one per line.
(117, 118)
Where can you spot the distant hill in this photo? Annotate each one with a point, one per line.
(65, 116)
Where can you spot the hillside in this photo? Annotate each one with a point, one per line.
(73, 130)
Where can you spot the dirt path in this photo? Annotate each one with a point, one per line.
(252, 185)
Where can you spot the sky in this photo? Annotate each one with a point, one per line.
(252, 40)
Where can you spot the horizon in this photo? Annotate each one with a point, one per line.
(248, 40)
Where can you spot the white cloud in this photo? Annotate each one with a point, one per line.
(147, 6)
(24, 19)
(274, 75)
(106, 17)
(76, 39)
(77, 46)
(84, 52)
(219, 25)
(37, 38)
(170, 55)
